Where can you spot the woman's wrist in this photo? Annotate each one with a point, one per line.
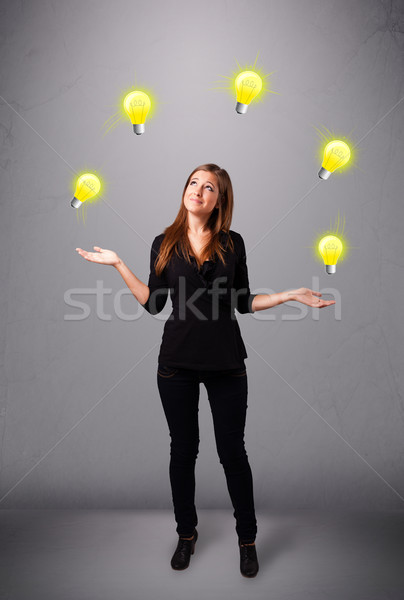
(289, 296)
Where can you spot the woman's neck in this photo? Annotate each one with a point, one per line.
(198, 234)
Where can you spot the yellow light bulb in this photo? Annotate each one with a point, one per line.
(248, 86)
(336, 155)
(137, 106)
(330, 248)
(87, 186)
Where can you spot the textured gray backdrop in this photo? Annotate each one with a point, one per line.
(81, 421)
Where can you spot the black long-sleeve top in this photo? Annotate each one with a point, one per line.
(202, 331)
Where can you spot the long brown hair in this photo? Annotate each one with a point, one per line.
(176, 235)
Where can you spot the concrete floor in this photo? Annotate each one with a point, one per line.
(122, 555)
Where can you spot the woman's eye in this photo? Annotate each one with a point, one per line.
(208, 186)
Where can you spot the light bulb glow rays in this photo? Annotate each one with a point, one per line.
(137, 106)
(248, 85)
(330, 248)
(88, 185)
(336, 154)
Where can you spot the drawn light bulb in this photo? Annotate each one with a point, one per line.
(137, 106)
(248, 86)
(87, 186)
(336, 155)
(330, 248)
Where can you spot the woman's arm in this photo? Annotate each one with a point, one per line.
(303, 295)
(102, 256)
(139, 289)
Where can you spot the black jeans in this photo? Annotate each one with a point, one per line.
(227, 394)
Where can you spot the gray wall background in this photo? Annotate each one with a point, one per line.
(81, 421)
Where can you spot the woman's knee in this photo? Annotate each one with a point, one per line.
(185, 450)
(233, 456)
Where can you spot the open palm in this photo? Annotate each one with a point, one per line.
(102, 256)
(310, 297)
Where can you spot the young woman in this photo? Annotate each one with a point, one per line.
(202, 262)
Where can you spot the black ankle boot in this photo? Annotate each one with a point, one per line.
(182, 554)
(248, 560)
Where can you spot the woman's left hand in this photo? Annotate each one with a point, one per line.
(309, 297)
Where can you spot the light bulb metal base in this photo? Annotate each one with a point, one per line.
(241, 108)
(330, 269)
(138, 128)
(75, 203)
(323, 173)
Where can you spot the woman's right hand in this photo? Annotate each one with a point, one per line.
(102, 256)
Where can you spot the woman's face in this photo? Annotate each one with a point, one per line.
(202, 193)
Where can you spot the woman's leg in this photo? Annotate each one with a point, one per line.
(227, 393)
(179, 393)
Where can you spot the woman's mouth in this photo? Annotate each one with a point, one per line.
(195, 200)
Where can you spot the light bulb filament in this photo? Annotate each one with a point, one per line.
(90, 185)
(338, 153)
(249, 84)
(139, 102)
